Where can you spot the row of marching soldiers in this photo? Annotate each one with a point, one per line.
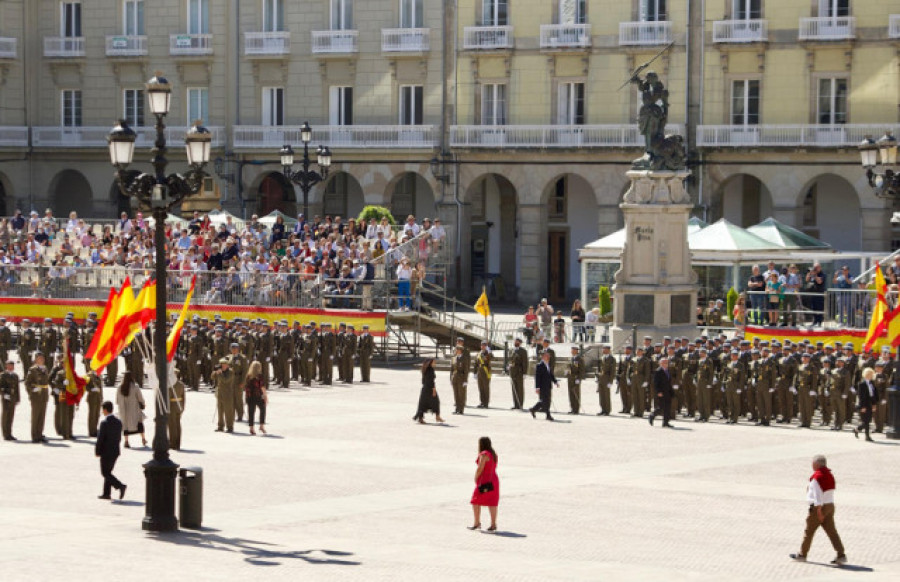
(298, 353)
(757, 381)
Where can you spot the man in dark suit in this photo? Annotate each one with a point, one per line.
(107, 449)
(544, 380)
(662, 386)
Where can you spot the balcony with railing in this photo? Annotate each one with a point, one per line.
(823, 136)
(338, 136)
(95, 137)
(330, 42)
(65, 47)
(190, 45)
(267, 44)
(894, 26)
(828, 28)
(549, 136)
(8, 47)
(563, 36)
(737, 31)
(645, 33)
(488, 37)
(13, 137)
(405, 40)
(126, 46)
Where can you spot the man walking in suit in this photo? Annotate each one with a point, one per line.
(107, 449)
(544, 380)
(662, 386)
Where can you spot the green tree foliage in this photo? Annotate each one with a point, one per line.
(376, 212)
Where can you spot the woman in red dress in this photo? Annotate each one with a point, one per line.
(487, 484)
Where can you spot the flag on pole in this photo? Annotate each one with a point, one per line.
(481, 306)
(107, 348)
(104, 325)
(143, 311)
(879, 322)
(175, 334)
(74, 383)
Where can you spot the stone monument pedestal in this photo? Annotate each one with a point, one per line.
(656, 287)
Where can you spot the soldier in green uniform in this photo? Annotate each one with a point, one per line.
(766, 376)
(481, 369)
(327, 347)
(9, 394)
(366, 351)
(676, 371)
(194, 358)
(223, 384)
(6, 339)
(807, 386)
(640, 382)
(308, 357)
(735, 378)
(787, 389)
(28, 344)
(881, 386)
(57, 389)
(94, 396)
(606, 375)
(518, 365)
(623, 379)
(348, 356)
(840, 387)
(239, 366)
(459, 371)
(266, 351)
(749, 403)
(285, 352)
(706, 385)
(575, 376)
(176, 409)
(49, 338)
(37, 384)
(297, 355)
(691, 361)
(826, 385)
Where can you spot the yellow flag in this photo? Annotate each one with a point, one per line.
(481, 306)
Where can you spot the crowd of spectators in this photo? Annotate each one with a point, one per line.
(325, 255)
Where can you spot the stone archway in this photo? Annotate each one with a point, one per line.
(829, 209)
(118, 202)
(342, 196)
(4, 194)
(572, 222)
(276, 193)
(742, 199)
(70, 190)
(410, 193)
(494, 231)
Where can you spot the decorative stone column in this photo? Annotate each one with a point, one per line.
(656, 287)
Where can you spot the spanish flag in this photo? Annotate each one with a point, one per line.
(74, 383)
(104, 326)
(143, 311)
(481, 306)
(175, 334)
(115, 330)
(879, 322)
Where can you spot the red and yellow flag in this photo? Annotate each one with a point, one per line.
(115, 330)
(142, 313)
(879, 323)
(175, 334)
(74, 383)
(104, 325)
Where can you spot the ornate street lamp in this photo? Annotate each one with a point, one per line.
(305, 178)
(886, 183)
(159, 193)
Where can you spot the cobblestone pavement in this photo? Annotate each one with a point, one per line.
(347, 487)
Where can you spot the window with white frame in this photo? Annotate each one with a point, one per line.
(834, 8)
(133, 107)
(273, 106)
(747, 9)
(570, 104)
(341, 14)
(71, 108)
(70, 20)
(494, 13)
(572, 11)
(133, 15)
(832, 107)
(198, 104)
(653, 11)
(411, 104)
(198, 16)
(493, 104)
(411, 14)
(273, 15)
(745, 102)
(340, 105)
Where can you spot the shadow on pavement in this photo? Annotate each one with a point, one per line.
(256, 553)
(273, 436)
(846, 567)
(128, 503)
(888, 443)
(509, 534)
(190, 451)
(56, 445)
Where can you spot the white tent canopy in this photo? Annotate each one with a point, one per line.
(270, 218)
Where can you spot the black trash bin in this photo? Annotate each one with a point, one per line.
(191, 507)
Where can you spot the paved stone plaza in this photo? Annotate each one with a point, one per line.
(347, 487)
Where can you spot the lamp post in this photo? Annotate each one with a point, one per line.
(158, 192)
(305, 178)
(886, 184)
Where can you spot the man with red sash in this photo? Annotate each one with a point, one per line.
(820, 497)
